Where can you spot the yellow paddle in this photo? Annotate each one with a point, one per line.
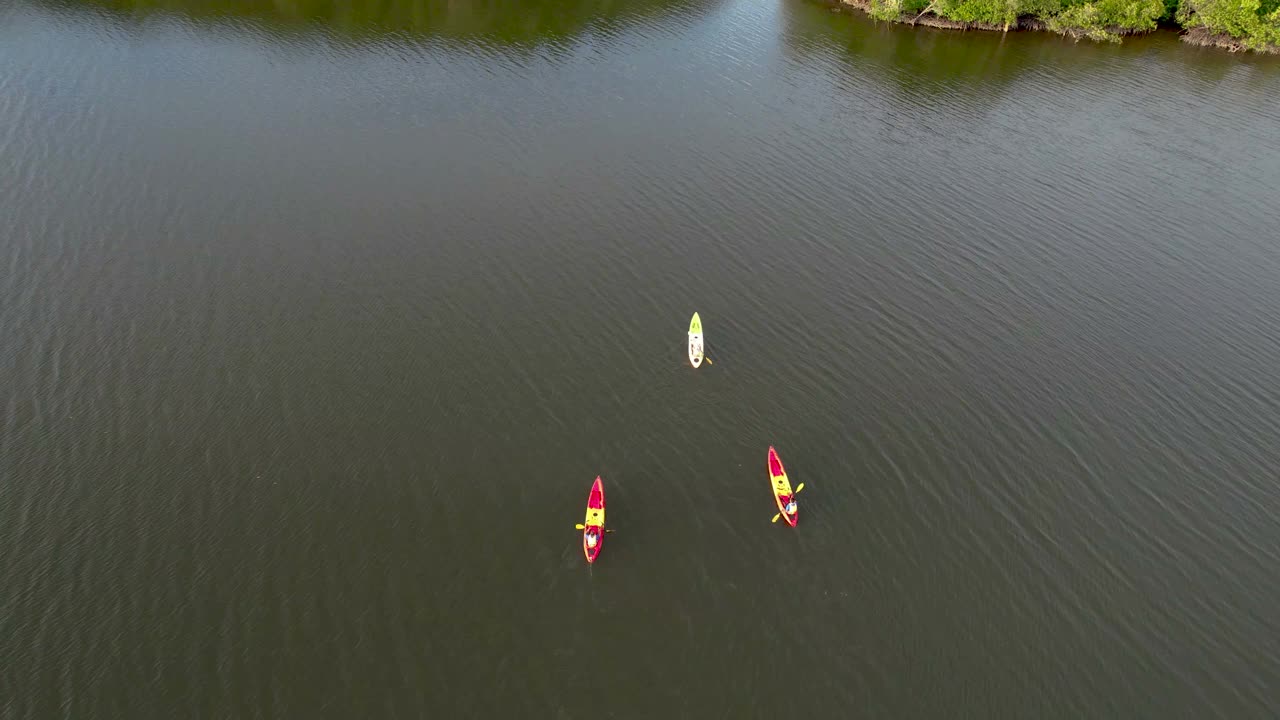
(580, 526)
(793, 494)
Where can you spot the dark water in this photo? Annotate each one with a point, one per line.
(318, 319)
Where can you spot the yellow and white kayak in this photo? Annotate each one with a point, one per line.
(695, 340)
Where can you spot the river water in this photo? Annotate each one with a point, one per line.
(317, 321)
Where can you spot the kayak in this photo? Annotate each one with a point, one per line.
(695, 340)
(781, 488)
(594, 522)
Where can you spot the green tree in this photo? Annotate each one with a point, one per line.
(1105, 19)
(991, 12)
(894, 9)
(1249, 21)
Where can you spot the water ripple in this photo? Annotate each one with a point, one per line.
(317, 331)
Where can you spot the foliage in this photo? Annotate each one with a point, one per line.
(1245, 20)
(893, 9)
(1256, 23)
(992, 12)
(1101, 19)
(1041, 9)
(1083, 21)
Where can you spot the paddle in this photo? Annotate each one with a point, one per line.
(580, 526)
(793, 494)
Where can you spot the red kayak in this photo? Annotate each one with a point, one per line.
(781, 486)
(593, 525)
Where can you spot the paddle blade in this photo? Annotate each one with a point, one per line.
(580, 526)
(608, 531)
(775, 517)
(798, 489)
(704, 357)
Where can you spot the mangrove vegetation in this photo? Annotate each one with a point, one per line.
(1233, 24)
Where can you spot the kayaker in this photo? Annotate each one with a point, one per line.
(791, 507)
(592, 538)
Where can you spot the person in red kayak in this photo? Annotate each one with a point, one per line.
(592, 538)
(790, 505)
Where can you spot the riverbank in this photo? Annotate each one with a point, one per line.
(1204, 37)
(1205, 23)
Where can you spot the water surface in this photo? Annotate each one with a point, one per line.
(318, 319)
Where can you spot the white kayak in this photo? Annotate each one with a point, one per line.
(695, 340)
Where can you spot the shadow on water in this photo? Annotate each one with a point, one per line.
(509, 22)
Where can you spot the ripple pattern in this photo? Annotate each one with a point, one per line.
(312, 340)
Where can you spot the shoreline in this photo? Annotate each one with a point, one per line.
(1197, 36)
(1203, 37)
